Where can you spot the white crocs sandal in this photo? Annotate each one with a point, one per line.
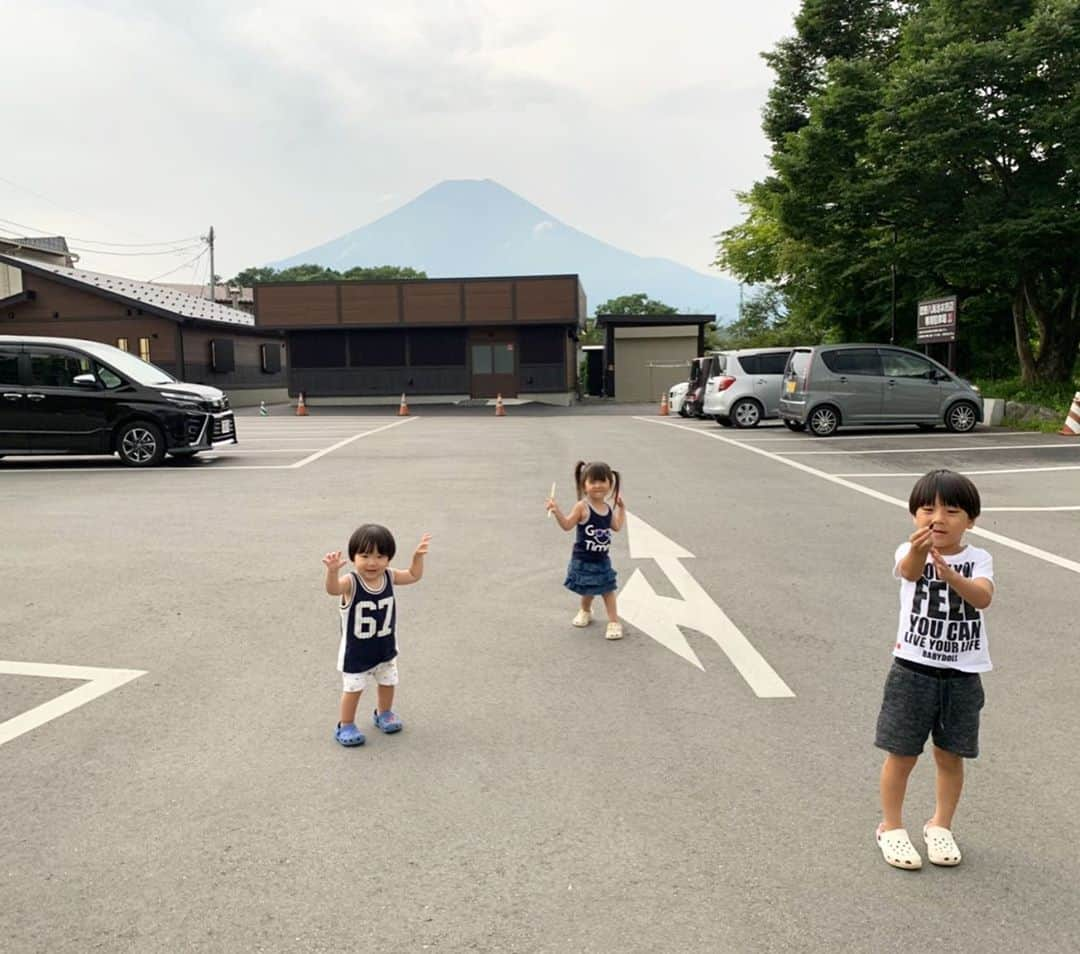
(583, 618)
(941, 847)
(897, 849)
(613, 631)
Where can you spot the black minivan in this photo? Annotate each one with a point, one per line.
(70, 396)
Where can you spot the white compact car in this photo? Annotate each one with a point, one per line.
(747, 388)
(677, 398)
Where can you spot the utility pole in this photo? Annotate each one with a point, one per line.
(892, 275)
(210, 240)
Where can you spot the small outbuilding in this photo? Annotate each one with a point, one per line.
(644, 355)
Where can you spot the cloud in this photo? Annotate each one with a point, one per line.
(284, 126)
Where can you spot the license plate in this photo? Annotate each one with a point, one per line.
(226, 426)
(789, 386)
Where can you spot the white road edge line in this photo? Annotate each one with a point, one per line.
(976, 473)
(923, 450)
(99, 681)
(1026, 509)
(348, 440)
(1045, 555)
(881, 436)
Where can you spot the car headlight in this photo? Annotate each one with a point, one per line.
(181, 400)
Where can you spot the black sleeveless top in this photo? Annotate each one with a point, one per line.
(593, 539)
(368, 622)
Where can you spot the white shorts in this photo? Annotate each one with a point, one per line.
(384, 674)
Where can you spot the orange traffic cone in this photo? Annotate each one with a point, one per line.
(301, 408)
(500, 411)
(664, 409)
(1071, 427)
(403, 407)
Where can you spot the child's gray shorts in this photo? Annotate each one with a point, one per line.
(917, 705)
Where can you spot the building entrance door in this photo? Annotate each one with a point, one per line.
(494, 367)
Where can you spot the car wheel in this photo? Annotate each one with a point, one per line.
(794, 425)
(962, 417)
(823, 421)
(682, 411)
(140, 444)
(746, 413)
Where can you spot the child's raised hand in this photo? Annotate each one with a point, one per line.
(921, 540)
(620, 503)
(334, 560)
(422, 546)
(551, 506)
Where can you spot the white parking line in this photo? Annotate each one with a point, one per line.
(1066, 564)
(307, 437)
(99, 681)
(919, 450)
(882, 435)
(975, 473)
(329, 450)
(218, 454)
(1026, 509)
(233, 452)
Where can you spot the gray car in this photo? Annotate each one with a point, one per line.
(828, 386)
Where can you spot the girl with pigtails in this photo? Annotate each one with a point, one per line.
(598, 513)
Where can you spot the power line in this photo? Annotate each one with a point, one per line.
(178, 267)
(70, 211)
(167, 251)
(192, 240)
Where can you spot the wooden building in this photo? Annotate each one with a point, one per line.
(192, 338)
(441, 339)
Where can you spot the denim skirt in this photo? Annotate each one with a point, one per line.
(590, 577)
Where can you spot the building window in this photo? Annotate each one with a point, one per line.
(438, 347)
(317, 349)
(144, 349)
(122, 344)
(222, 355)
(543, 345)
(376, 349)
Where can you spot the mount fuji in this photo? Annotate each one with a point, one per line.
(473, 228)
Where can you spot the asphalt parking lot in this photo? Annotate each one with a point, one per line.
(168, 694)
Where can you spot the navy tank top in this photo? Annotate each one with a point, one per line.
(593, 540)
(368, 622)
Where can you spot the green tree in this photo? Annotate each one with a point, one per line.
(382, 273)
(254, 275)
(637, 304)
(940, 138)
(318, 273)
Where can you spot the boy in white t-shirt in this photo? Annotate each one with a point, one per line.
(933, 688)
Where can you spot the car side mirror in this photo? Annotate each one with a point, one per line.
(85, 381)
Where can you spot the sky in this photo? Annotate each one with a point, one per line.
(132, 126)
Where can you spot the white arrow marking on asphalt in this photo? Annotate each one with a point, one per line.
(661, 616)
(99, 682)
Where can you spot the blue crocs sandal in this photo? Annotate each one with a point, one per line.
(387, 721)
(349, 734)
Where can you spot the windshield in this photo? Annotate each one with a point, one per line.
(142, 372)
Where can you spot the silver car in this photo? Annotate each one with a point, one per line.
(747, 388)
(831, 385)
